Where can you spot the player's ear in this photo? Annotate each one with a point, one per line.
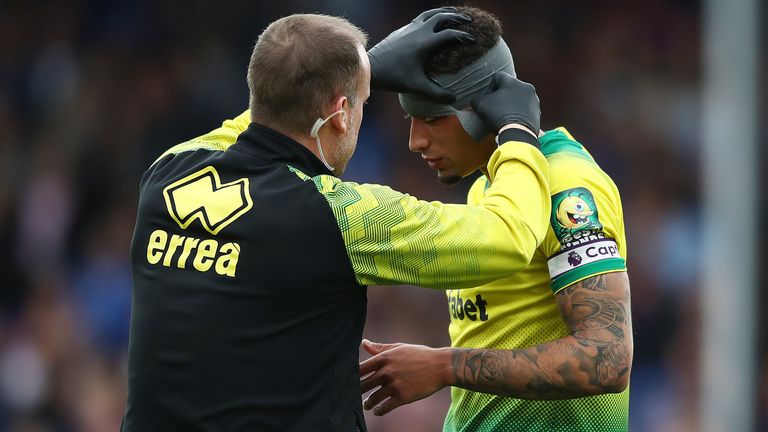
(340, 105)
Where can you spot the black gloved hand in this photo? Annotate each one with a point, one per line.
(510, 101)
(397, 62)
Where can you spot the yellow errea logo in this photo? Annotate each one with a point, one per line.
(203, 196)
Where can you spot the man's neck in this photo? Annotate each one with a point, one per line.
(303, 139)
(488, 147)
(484, 167)
(484, 170)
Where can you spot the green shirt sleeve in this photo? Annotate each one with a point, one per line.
(394, 238)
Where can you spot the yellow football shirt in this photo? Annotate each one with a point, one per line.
(585, 238)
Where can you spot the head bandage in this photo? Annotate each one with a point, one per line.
(471, 80)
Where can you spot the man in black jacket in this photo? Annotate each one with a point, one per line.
(251, 259)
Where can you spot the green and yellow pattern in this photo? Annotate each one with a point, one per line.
(522, 311)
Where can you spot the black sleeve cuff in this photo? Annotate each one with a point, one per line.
(514, 134)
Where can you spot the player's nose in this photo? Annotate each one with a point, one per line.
(418, 140)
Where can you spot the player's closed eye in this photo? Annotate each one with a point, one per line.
(432, 119)
(424, 119)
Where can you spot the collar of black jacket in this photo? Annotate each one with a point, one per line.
(265, 143)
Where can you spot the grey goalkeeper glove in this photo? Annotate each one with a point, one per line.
(397, 62)
(510, 101)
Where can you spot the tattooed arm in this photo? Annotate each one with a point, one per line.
(594, 359)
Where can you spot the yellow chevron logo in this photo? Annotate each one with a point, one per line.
(203, 196)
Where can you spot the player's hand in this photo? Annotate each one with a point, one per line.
(510, 101)
(397, 62)
(404, 374)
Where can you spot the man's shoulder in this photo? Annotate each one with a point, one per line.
(189, 147)
(189, 159)
(570, 162)
(218, 139)
(559, 144)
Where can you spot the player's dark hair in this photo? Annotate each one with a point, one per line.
(300, 62)
(485, 27)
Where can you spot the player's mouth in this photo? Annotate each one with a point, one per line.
(434, 163)
(577, 218)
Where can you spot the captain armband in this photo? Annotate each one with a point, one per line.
(584, 249)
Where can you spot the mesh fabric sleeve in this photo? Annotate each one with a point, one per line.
(394, 238)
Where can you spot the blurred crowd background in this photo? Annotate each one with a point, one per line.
(91, 92)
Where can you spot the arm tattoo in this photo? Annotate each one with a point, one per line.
(484, 366)
(595, 359)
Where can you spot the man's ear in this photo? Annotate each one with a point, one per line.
(339, 121)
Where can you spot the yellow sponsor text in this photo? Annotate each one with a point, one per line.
(183, 252)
